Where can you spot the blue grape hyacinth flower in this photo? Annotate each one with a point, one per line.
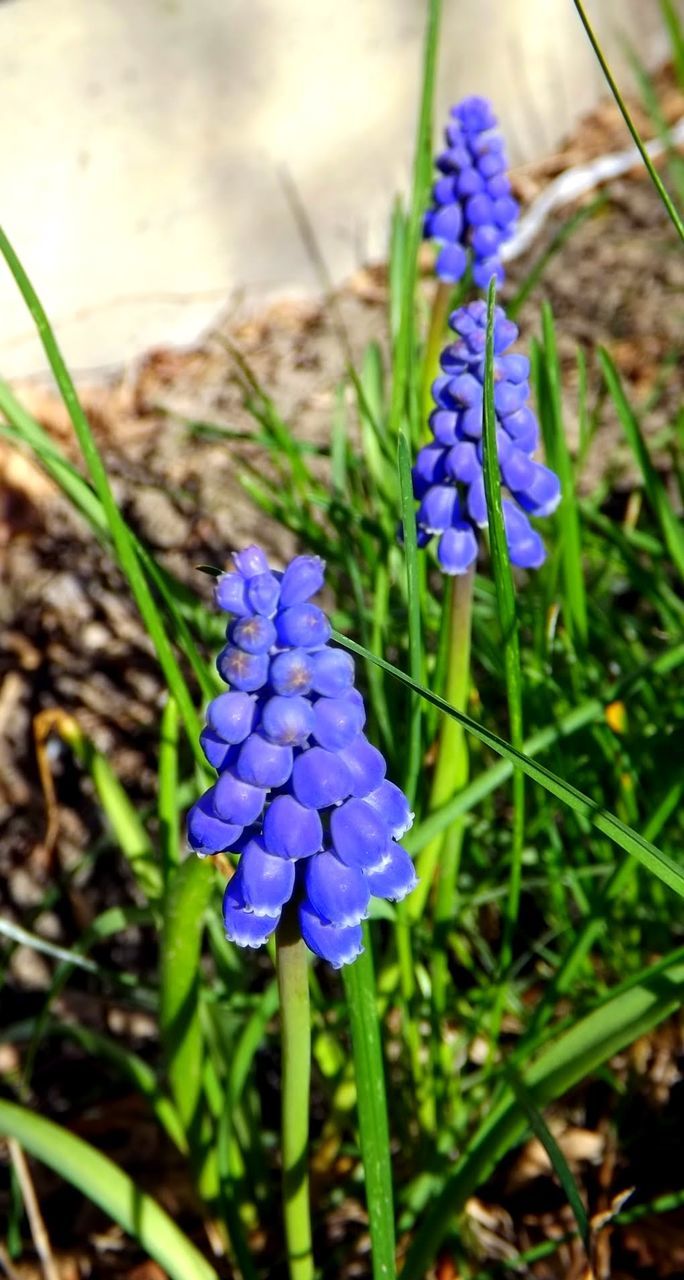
(448, 480)
(301, 793)
(473, 212)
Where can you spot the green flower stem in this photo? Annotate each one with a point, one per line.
(451, 777)
(295, 1029)
(451, 769)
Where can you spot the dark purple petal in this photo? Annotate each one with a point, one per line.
(359, 834)
(392, 805)
(242, 925)
(365, 763)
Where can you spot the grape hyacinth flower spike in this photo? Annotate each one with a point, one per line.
(448, 479)
(301, 793)
(472, 212)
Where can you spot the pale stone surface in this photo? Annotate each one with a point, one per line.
(143, 142)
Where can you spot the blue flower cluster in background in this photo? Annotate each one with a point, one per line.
(472, 210)
(301, 793)
(448, 481)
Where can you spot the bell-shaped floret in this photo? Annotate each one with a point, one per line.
(303, 625)
(291, 830)
(250, 562)
(230, 594)
(337, 721)
(263, 592)
(207, 833)
(242, 925)
(264, 763)
(337, 945)
(232, 716)
(237, 801)
(291, 672)
(457, 549)
(266, 881)
(303, 577)
(338, 893)
(525, 547)
(392, 805)
(395, 877)
(541, 493)
(333, 672)
(244, 671)
(320, 778)
(219, 753)
(365, 763)
(359, 833)
(287, 720)
(254, 634)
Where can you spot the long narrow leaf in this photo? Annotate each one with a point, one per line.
(657, 862)
(359, 984)
(110, 1188)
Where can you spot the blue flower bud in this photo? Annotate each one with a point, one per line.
(366, 765)
(206, 832)
(333, 672)
(219, 753)
(336, 945)
(395, 877)
(288, 721)
(237, 801)
(292, 672)
(266, 882)
(320, 778)
(242, 925)
(302, 579)
(290, 830)
(244, 671)
(250, 562)
(338, 893)
(253, 634)
(230, 594)
(303, 625)
(264, 763)
(232, 716)
(525, 547)
(263, 592)
(457, 549)
(359, 833)
(337, 721)
(391, 803)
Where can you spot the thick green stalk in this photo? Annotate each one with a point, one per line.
(295, 1030)
(450, 778)
(451, 769)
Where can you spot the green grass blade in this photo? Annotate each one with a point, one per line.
(126, 823)
(404, 347)
(110, 1188)
(359, 985)
(657, 862)
(508, 622)
(624, 1016)
(558, 457)
(180, 1022)
(558, 1162)
(670, 526)
(408, 519)
(167, 804)
(652, 171)
(121, 537)
(675, 31)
